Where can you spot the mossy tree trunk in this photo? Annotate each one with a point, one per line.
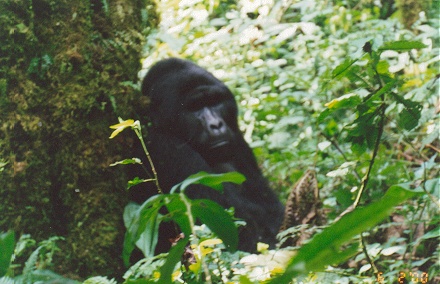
(67, 71)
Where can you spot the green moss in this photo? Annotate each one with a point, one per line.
(61, 68)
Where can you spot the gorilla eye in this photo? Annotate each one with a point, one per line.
(195, 105)
(199, 102)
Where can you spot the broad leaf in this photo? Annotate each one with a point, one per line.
(143, 221)
(173, 258)
(218, 220)
(179, 213)
(7, 243)
(212, 180)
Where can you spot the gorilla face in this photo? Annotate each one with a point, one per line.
(191, 104)
(205, 113)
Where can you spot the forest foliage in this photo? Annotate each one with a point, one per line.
(348, 89)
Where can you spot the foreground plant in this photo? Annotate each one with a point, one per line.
(142, 221)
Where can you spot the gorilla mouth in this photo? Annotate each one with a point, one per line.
(218, 144)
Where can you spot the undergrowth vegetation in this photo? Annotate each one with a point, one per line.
(340, 88)
(345, 88)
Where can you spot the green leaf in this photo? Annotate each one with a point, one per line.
(134, 182)
(431, 234)
(178, 212)
(325, 248)
(402, 45)
(385, 89)
(408, 119)
(345, 101)
(173, 258)
(142, 221)
(127, 162)
(218, 220)
(245, 280)
(212, 180)
(341, 69)
(410, 115)
(7, 243)
(432, 186)
(382, 67)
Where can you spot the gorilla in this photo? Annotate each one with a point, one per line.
(193, 127)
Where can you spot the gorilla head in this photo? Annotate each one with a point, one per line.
(194, 128)
(189, 103)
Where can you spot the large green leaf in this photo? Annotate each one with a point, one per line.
(325, 248)
(179, 213)
(7, 243)
(173, 258)
(212, 180)
(142, 221)
(218, 220)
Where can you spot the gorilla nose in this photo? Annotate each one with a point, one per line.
(216, 125)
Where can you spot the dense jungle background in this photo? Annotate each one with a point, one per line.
(346, 88)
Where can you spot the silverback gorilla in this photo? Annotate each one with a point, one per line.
(193, 128)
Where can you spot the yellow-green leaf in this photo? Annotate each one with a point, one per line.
(121, 126)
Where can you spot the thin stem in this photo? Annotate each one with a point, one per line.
(192, 225)
(336, 145)
(150, 161)
(373, 158)
(370, 167)
(370, 261)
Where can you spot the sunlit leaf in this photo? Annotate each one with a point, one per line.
(365, 268)
(262, 247)
(345, 101)
(402, 45)
(382, 67)
(245, 280)
(122, 125)
(393, 249)
(127, 162)
(136, 181)
(205, 246)
(212, 180)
